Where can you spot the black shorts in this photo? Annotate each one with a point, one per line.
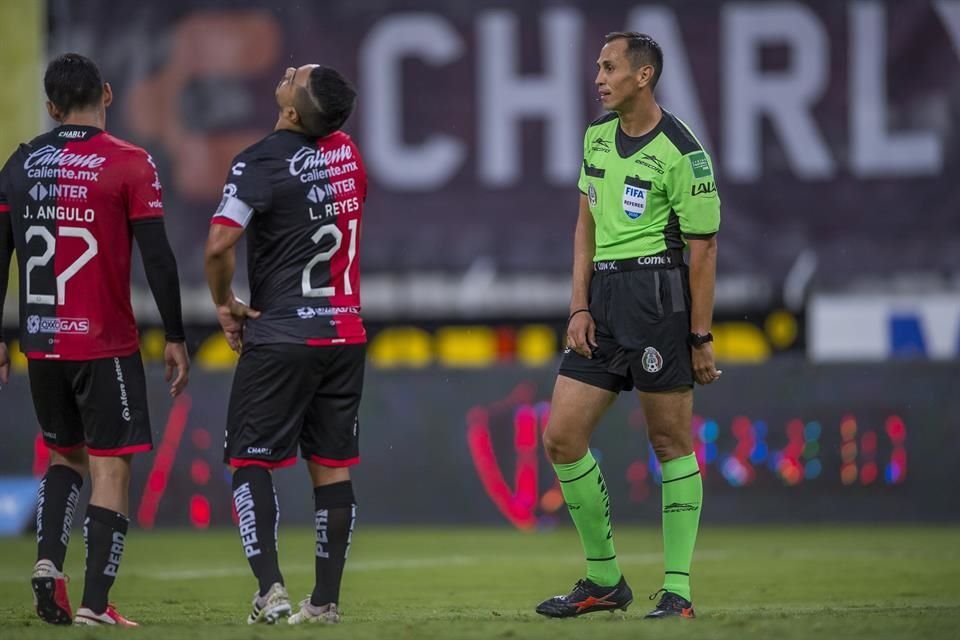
(100, 404)
(286, 395)
(643, 321)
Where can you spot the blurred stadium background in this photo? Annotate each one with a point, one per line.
(833, 126)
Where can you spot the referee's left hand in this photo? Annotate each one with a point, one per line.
(704, 369)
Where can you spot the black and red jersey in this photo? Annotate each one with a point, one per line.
(300, 199)
(72, 195)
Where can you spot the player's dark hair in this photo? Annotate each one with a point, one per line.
(641, 49)
(326, 103)
(73, 82)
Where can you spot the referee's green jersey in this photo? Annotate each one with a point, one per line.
(647, 194)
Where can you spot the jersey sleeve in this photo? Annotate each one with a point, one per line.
(692, 191)
(144, 193)
(247, 190)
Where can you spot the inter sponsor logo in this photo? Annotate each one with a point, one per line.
(243, 503)
(316, 195)
(703, 188)
(41, 191)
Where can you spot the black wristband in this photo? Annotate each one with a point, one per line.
(576, 312)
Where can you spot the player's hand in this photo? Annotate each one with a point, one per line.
(232, 316)
(582, 334)
(175, 357)
(704, 369)
(4, 363)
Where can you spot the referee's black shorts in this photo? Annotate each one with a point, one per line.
(643, 321)
(286, 396)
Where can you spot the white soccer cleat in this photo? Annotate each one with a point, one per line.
(270, 607)
(317, 614)
(86, 617)
(50, 593)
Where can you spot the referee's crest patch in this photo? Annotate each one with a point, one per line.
(652, 360)
(592, 194)
(634, 201)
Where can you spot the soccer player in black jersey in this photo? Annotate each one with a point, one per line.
(298, 195)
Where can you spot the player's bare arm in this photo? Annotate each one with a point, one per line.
(220, 258)
(581, 328)
(703, 275)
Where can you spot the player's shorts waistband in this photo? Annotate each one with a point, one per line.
(666, 260)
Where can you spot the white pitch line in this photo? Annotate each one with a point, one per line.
(364, 566)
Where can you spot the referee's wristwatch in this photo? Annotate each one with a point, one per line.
(699, 339)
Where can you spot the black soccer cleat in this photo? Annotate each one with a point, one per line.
(671, 605)
(587, 597)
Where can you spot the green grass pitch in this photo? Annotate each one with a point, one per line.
(812, 582)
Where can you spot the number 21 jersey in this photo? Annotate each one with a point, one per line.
(300, 199)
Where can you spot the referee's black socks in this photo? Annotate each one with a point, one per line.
(105, 532)
(255, 500)
(56, 502)
(335, 514)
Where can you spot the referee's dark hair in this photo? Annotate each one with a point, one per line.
(73, 82)
(641, 49)
(326, 103)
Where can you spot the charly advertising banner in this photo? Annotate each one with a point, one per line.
(831, 123)
(782, 442)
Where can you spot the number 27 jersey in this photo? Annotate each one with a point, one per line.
(300, 199)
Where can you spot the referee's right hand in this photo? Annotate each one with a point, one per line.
(582, 334)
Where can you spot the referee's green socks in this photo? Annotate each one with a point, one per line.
(586, 495)
(682, 499)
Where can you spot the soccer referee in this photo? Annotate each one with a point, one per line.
(639, 318)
